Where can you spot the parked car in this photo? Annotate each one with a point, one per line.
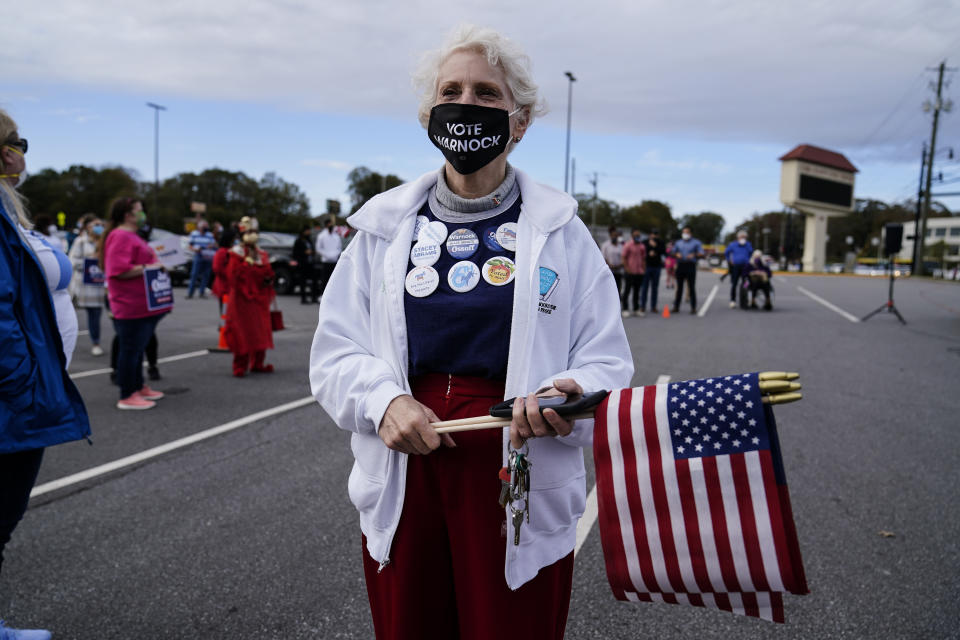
(279, 246)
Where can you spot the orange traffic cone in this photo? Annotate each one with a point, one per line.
(666, 311)
(222, 342)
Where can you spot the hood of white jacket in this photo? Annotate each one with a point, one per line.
(546, 208)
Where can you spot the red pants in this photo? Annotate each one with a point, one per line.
(445, 577)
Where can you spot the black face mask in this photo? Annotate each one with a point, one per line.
(470, 136)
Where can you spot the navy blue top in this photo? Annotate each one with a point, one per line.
(465, 334)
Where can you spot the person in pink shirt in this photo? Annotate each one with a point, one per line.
(634, 264)
(132, 269)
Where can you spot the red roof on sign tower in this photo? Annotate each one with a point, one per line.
(817, 155)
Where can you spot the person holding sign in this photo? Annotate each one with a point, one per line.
(469, 285)
(87, 284)
(250, 291)
(140, 294)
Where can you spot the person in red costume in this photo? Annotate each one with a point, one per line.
(250, 286)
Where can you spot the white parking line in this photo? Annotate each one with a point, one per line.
(591, 510)
(828, 304)
(168, 447)
(83, 332)
(180, 356)
(706, 305)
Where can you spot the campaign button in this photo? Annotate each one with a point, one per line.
(507, 236)
(424, 254)
(418, 226)
(490, 239)
(422, 281)
(499, 271)
(463, 276)
(433, 233)
(462, 243)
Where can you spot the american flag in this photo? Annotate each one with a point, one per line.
(693, 502)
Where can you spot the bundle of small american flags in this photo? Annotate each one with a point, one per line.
(693, 501)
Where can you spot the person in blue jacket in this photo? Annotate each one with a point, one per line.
(39, 404)
(737, 255)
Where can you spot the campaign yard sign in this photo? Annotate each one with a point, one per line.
(92, 273)
(159, 290)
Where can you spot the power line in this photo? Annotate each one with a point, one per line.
(910, 90)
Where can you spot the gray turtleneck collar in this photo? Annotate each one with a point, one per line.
(450, 207)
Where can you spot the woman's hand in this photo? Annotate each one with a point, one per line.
(406, 427)
(529, 423)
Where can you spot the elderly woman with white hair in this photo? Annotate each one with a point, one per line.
(469, 285)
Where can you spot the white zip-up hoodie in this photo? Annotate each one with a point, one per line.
(565, 324)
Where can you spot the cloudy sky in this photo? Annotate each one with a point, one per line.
(686, 102)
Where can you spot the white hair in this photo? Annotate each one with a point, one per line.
(500, 52)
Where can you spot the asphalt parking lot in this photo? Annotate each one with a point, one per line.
(248, 532)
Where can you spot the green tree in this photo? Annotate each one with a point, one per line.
(650, 214)
(77, 190)
(363, 184)
(864, 222)
(705, 226)
(602, 212)
(774, 221)
(229, 195)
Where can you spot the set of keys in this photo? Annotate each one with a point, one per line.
(515, 490)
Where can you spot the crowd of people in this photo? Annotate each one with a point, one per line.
(638, 264)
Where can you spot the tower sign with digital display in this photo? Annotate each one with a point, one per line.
(818, 183)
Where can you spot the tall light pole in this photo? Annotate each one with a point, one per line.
(566, 162)
(156, 155)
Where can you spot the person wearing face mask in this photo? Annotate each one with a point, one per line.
(306, 271)
(86, 286)
(612, 253)
(39, 404)
(126, 258)
(634, 264)
(651, 275)
(469, 285)
(250, 291)
(329, 245)
(687, 250)
(738, 256)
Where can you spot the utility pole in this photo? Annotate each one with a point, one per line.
(921, 233)
(566, 161)
(915, 260)
(573, 177)
(156, 155)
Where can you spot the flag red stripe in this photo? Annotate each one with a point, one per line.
(692, 523)
(614, 554)
(776, 519)
(776, 604)
(790, 528)
(750, 605)
(719, 520)
(657, 484)
(723, 601)
(629, 452)
(748, 522)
